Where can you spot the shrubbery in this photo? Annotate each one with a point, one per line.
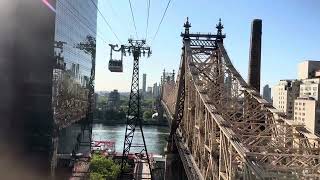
(102, 168)
(147, 115)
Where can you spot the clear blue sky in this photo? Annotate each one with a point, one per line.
(290, 34)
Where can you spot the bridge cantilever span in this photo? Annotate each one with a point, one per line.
(223, 129)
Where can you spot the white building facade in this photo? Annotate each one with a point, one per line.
(306, 111)
(284, 94)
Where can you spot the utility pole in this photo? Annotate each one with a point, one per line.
(136, 48)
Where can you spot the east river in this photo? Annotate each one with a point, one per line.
(155, 136)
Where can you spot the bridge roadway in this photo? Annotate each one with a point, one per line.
(141, 169)
(222, 128)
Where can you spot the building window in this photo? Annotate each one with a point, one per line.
(304, 104)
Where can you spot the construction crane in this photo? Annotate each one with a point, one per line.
(136, 48)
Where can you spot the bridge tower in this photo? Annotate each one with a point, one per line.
(179, 161)
(221, 128)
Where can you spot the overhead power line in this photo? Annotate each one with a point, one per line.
(148, 12)
(114, 12)
(112, 9)
(165, 11)
(105, 20)
(134, 22)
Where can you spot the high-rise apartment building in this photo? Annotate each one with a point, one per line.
(267, 93)
(306, 111)
(144, 83)
(307, 69)
(155, 90)
(307, 105)
(302, 94)
(113, 100)
(284, 94)
(46, 84)
(310, 88)
(149, 91)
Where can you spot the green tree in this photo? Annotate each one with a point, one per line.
(102, 101)
(101, 167)
(147, 103)
(147, 115)
(96, 176)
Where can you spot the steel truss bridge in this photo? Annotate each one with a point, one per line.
(223, 129)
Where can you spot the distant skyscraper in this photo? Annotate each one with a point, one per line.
(149, 90)
(155, 90)
(267, 93)
(113, 100)
(144, 83)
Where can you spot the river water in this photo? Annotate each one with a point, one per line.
(155, 136)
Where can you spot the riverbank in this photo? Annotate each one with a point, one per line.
(120, 122)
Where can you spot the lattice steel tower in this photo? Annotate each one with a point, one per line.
(134, 115)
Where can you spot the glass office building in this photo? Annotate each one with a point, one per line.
(45, 77)
(75, 21)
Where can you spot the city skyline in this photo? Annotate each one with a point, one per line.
(277, 26)
(244, 103)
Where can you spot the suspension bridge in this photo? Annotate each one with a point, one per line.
(221, 128)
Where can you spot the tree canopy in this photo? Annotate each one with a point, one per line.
(102, 168)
